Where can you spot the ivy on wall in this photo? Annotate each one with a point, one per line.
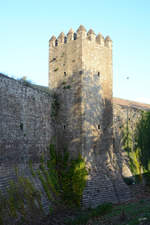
(63, 179)
(136, 142)
(22, 203)
(142, 136)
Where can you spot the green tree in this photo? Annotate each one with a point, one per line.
(143, 140)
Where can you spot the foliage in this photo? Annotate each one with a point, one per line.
(134, 163)
(147, 178)
(25, 81)
(133, 213)
(143, 140)
(85, 216)
(128, 180)
(63, 179)
(67, 87)
(137, 144)
(56, 69)
(22, 202)
(24, 78)
(130, 147)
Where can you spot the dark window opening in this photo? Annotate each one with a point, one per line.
(98, 74)
(65, 39)
(75, 36)
(56, 43)
(64, 127)
(99, 126)
(80, 72)
(65, 74)
(21, 126)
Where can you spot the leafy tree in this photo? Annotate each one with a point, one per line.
(143, 140)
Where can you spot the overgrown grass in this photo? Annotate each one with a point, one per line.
(89, 214)
(131, 214)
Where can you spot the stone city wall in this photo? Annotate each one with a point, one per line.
(25, 126)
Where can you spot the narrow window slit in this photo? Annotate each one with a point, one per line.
(56, 43)
(65, 74)
(99, 126)
(65, 40)
(75, 36)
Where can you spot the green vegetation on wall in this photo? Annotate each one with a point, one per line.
(63, 179)
(129, 145)
(22, 202)
(136, 142)
(143, 140)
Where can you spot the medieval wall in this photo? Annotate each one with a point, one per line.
(25, 126)
(79, 115)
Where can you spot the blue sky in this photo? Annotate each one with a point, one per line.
(26, 27)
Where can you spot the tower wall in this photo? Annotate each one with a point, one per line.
(96, 96)
(81, 76)
(65, 64)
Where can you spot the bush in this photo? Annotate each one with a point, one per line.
(63, 179)
(146, 177)
(84, 217)
(128, 180)
(22, 203)
(143, 140)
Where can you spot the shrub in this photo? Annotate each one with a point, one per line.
(84, 217)
(56, 69)
(22, 203)
(128, 180)
(143, 140)
(63, 179)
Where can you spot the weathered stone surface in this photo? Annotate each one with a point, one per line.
(25, 126)
(88, 119)
(81, 75)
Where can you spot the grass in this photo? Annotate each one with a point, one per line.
(127, 214)
(86, 215)
(133, 213)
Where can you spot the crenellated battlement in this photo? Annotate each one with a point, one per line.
(81, 33)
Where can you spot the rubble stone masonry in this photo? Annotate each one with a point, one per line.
(81, 115)
(25, 126)
(80, 72)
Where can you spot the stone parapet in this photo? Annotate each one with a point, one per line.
(80, 33)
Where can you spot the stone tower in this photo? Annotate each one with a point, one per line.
(80, 73)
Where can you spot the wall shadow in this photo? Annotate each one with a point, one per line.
(84, 124)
